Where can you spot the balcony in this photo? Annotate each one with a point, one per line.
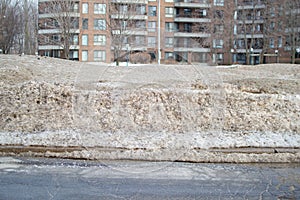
(137, 31)
(191, 34)
(192, 3)
(56, 47)
(250, 35)
(130, 1)
(192, 49)
(55, 31)
(192, 20)
(132, 16)
(251, 21)
(51, 15)
(250, 5)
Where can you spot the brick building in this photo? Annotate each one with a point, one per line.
(205, 31)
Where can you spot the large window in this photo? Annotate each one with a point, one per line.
(141, 9)
(139, 40)
(99, 40)
(218, 43)
(84, 39)
(169, 55)
(169, 12)
(84, 55)
(219, 14)
(99, 8)
(152, 26)
(272, 43)
(187, 27)
(56, 38)
(219, 28)
(219, 2)
(75, 40)
(85, 23)
(85, 8)
(218, 57)
(279, 41)
(99, 55)
(152, 10)
(169, 26)
(169, 42)
(151, 41)
(99, 24)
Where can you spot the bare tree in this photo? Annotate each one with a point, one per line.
(248, 27)
(221, 31)
(65, 17)
(10, 20)
(27, 40)
(292, 27)
(125, 20)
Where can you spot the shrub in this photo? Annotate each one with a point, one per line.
(140, 57)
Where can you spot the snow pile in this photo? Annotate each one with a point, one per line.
(148, 112)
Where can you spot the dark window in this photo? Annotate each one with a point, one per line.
(85, 23)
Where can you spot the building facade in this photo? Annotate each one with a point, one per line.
(172, 31)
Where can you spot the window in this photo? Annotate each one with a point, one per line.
(279, 26)
(187, 27)
(85, 8)
(219, 28)
(99, 55)
(74, 54)
(169, 12)
(85, 23)
(151, 26)
(219, 14)
(46, 39)
(169, 42)
(169, 26)
(140, 24)
(99, 8)
(56, 38)
(288, 41)
(258, 28)
(279, 41)
(55, 23)
(217, 57)
(187, 12)
(84, 55)
(75, 40)
(218, 43)
(139, 40)
(152, 10)
(272, 45)
(141, 9)
(76, 7)
(76, 23)
(272, 12)
(123, 9)
(99, 39)
(272, 26)
(219, 2)
(84, 39)
(169, 55)
(99, 24)
(203, 13)
(258, 15)
(151, 41)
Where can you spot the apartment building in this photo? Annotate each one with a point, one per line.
(183, 31)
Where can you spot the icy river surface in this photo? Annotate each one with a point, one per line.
(41, 178)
